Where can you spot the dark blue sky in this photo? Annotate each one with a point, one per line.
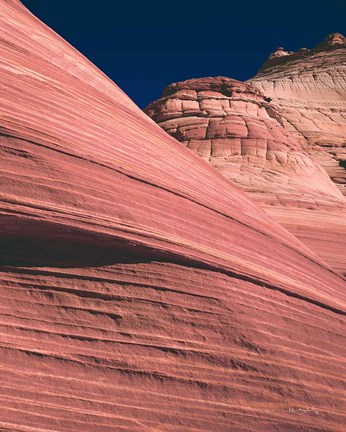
(145, 45)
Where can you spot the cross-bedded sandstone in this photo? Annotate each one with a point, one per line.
(141, 291)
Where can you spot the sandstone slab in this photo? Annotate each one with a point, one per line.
(139, 289)
(242, 134)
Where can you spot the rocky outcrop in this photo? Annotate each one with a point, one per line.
(140, 290)
(234, 127)
(308, 88)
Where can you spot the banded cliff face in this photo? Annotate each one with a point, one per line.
(139, 289)
(235, 128)
(308, 88)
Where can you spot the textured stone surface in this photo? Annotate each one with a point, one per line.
(237, 130)
(308, 88)
(140, 290)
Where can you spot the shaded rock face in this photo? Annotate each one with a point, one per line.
(308, 88)
(139, 289)
(235, 128)
(282, 58)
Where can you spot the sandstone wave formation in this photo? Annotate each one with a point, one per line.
(140, 290)
(308, 89)
(239, 129)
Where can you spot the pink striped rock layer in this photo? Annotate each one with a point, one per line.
(308, 89)
(140, 290)
(235, 128)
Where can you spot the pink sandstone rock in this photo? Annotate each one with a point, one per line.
(235, 128)
(308, 89)
(139, 289)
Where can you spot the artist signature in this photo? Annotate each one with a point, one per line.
(304, 410)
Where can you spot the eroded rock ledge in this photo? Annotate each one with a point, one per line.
(237, 129)
(308, 89)
(139, 290)
(281, 57)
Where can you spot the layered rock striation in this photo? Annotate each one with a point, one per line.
(235, 128)
(139, 289)
(308, 88)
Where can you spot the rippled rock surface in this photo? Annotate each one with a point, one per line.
(139, 289)
(237, 129)
(308, 88)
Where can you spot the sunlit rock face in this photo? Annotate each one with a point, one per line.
(308, 88)
(235, 128)
(139, 289)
